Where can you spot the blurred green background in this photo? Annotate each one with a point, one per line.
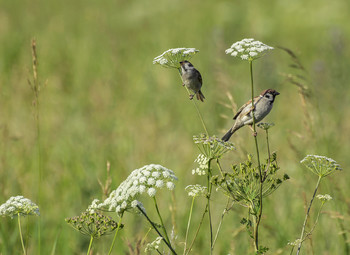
(103, 100)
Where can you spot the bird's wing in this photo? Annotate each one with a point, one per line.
(200, 77)
(247, 107)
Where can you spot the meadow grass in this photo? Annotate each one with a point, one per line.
(104, 100)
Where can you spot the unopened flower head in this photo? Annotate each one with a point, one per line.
(172, 57)
(147, 179)
(265, 126)
(196, 190)
(248, 49)
(320, 165)
(93, 224)
(324, 198)
(211, 146)
(19, 205)
(154, 245)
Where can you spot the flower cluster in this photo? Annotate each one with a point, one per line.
(19, 206)
(248, 49)
(212, 147)
(324, 198)
(203, 165)
(196, 190)
(295, 243)
(146, 179)
(154, 245)
(93, 224)
(172, 57)
(265, 126)
(320, 165)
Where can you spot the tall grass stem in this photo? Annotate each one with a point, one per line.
(188, 225)
(307, 215)
(36, 89)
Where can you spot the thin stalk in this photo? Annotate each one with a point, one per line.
(20, 233)
(36, 89)
(197, 231)
(197, 109)
(220, 223)
(209, 186)
(161, 220)
(115, 235)
(256, 227)
(268, 154)
(90, 244)
(188, 224)
(316, 221)
(307, 214)
(155, 228)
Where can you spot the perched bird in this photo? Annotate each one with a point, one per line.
(262, 106)
(192, 78)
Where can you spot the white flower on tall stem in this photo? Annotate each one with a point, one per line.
(320, 165)
(19, 206)
(147, 179)
(172, 57)
(248, 49)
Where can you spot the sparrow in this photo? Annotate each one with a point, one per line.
(262, 106)
(192, 78)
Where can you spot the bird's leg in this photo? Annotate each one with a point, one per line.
(191, 97)
(252, 129)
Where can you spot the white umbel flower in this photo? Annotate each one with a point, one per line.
(172, 57)
(147, 179)
(196, 190)
(248, 49)
(324, 198)
(19, 205)
(154, 245)
(320, 165)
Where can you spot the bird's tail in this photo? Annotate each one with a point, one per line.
(229, 133)
(200, 95)
(227, 136)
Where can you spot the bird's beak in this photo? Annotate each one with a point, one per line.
(181, 62)
(276, 93)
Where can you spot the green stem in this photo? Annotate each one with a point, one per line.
(209, 186)
(20, 233)
(220, 223)
(316, 221)
(36, 90)
(268, 156)
(307, 215)
(156, 229)
(115, 235)
(161, 220)
(90, 244)
(188, 225)
(256, 227)
(197, 109)
(197, 231)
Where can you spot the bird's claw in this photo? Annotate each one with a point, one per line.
(191, 97)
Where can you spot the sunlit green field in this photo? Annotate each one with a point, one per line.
(102, 99)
